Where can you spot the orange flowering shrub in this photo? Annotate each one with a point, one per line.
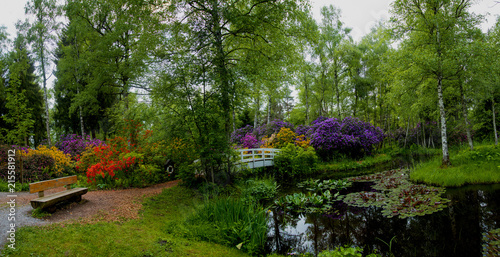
(302, 141)
(267, 142)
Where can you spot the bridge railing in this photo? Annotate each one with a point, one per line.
(257, 157)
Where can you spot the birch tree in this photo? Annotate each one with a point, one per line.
(430, 30)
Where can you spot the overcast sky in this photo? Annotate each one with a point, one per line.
(360, 15)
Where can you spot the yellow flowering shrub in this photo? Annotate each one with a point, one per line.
(61, 160)
(284, 137)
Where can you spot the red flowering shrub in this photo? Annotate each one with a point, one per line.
(126, 160)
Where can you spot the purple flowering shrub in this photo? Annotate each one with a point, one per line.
(75, 145)
(273, 127)
(303, 130)
(238, 134)
(351, 136)
(249, 141)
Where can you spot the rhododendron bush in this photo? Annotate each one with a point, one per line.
(330, 137)
(74, 145)
(129, 159)
(351, 137)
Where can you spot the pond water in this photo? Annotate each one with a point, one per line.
(455, 231)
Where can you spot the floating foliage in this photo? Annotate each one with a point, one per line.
(315, 185)
(365, 199)
(397, 196)
(491, 245)
(309, 203)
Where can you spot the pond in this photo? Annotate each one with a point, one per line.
(456, 230)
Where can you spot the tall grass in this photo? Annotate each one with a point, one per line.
(231, 222)
(480, 166)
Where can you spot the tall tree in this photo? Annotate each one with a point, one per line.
(215, 38)
(42, 35)
(431, 29)
(23, 100)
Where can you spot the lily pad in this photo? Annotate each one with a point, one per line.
(398, 196)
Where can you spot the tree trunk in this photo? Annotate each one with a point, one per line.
(336, 82)
(47, 121)
(269, 110)
(423, 135)
(256, 116)
(444, 139)
(407, 128)
(494, 119)
(306, 87)
(464, 110)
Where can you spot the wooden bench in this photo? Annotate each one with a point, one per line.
(49, 201)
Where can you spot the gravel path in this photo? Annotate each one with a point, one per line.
(107, 205)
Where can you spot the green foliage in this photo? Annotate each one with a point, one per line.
(259, 190)
(19, 187)
(315, 185)
(39, 213)
(188, 174)
(22, 106)
(491, 242)
(295, 162)
(231, 222)
(308, 203)
(479, 166)
(345, 251)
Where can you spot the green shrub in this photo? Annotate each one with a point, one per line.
(4, 186)
(482, 153)
(294, 161)
(259, 191)
(231, 222)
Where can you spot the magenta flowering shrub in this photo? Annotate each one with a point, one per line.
(74, 145)
(249, 141)
(238, 134)
(351, 137)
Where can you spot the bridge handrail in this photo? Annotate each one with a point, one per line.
(266, 153)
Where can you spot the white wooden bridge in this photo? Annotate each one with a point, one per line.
(256, 157)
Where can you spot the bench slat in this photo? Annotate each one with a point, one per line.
(57, 197)
(49, 184)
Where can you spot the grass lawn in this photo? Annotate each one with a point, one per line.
(158, 233)
(480, 166)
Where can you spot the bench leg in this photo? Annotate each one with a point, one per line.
(50, 209)
(77, 198)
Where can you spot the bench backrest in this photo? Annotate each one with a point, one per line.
(53, 183)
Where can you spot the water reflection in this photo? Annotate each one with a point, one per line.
(455, 231)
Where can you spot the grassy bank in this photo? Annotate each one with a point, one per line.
(158, 233)
(480, 166)
(348, 164)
